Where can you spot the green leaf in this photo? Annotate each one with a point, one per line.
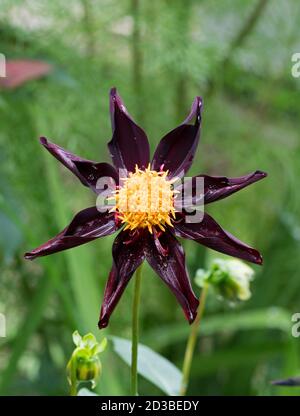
(268, 318)
(236, 357)
(155, 368)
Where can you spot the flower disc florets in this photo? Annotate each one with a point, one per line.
(145, 200)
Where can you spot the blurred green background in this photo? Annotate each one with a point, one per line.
(159, 54)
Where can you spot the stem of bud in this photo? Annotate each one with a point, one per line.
(190, 346)
(135, 332)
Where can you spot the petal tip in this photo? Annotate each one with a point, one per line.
(43, 141)
(260, 260)
(256, 258)
(103, 322)
(29, 256)
(197, 108)
(116, 100)
(113, 91)
(261, 173)
(199, 102)
(192, 316)
(192, 313)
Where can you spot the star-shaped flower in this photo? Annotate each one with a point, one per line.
(145, 206)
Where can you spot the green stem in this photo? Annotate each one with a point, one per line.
(190, 346)
(73, 388)
(135, 332)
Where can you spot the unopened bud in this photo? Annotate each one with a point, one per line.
(84, 364)
(230, 278)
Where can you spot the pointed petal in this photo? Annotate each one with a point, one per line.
(219, 187)
(291, 381)
(209, 233)
(216, 188)
(92, 172)
(167, 259)
(87, 171)
(129, 145)
(128, 254)
(176, 150)
(86, 226)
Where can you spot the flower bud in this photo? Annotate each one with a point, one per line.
(230, 278)
(85, 364)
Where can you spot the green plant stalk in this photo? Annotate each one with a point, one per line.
(191, 343)
(73, 387)
(73, 390)
(135, 332)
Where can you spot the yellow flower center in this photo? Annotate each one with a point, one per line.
(145, 199)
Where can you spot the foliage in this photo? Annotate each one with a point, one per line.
(155, 368)
(159, 56)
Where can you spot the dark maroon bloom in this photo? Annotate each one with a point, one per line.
(146, 232)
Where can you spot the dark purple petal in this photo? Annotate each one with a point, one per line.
(291, 381)
(128, 254)
(176, 150)
(86, 226)
(92, 172)
(218, 187)
(129, 145)
(166, 256)
(87, 171)
(209, 233)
